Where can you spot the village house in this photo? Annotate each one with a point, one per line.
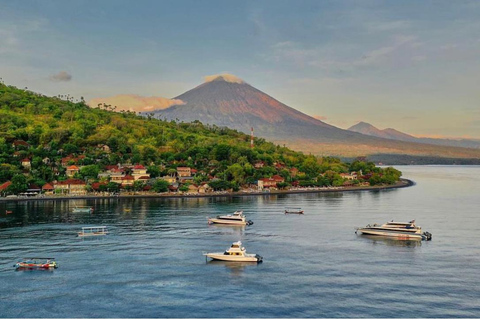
(169, 179)
(71, 159)
(127, 180)
(26, 163)
(71, 186)
(139, 172)
(47, 189)
(204, 188)
(116, 175)
(270, 182)
(71, 170)
(259, 164)
(20, 143)
(184, 172)
(104, 148)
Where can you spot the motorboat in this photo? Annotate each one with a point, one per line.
(93, 231)
(36, 263)
(397, 230)
(237, 218)
(82, 209)
(293, 210)
(235, 253)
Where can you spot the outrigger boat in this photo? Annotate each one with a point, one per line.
(82, 209)
(294, 210)
(235, 253)
(32, 263)
(93, 231)
(237, 218)
(397, 230)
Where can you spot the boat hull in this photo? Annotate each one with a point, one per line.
(233, 258)
(25, 266)
(229, 222)
(92, 234)
(399, 235)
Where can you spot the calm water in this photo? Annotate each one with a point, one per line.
(151, 265)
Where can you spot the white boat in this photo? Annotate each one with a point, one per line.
(93, 231)
(397, 230)
(294, 210)
(85, 209)
(237, 218)
(235, 253)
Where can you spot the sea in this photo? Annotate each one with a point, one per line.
(151, 265)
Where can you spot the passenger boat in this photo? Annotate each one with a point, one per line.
(93, 231)
(33, 263)
(237, 218)
(235, 253)
(85, 209)
(293, 210)
(397, 230)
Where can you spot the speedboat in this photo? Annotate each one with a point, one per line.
(235, 253)
(237, 218)
(397, 230)
(33, 263)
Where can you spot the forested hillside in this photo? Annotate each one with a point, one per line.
(37, 134)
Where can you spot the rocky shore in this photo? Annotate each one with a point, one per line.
(403, 183)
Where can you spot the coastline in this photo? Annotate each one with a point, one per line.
(403, 183)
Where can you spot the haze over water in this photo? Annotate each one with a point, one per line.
(151, 265)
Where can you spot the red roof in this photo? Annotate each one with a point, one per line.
(110, 167)
(20, 143)
(5, 185)
(144, 178)
(47, 186)
(96, 185)
(278, 178)
(71, 181)
(138, 166)
(73, 167)
(26, 160)
(128, 177)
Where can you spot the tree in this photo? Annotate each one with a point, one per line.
(160, 185)
(19, 184)
(90, 171)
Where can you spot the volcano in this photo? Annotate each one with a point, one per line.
(226, 100)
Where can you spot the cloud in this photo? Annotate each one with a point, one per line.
(62, 76)
(318, 117)
(225, 76)
(136, 103)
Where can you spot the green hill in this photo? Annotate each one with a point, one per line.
(49, 133)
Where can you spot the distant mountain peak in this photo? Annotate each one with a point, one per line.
(223, 77)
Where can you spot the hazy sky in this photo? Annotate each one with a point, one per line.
(411, 65)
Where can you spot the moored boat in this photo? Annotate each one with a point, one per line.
(93, 231)
(293, 210)
(237, 218)
(235, 253)
(396, 230)
(35, 263)
(82, 210)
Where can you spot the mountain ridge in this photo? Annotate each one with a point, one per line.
(240, 106)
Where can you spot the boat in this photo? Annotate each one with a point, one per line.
(237, 218)
(93, 231)
(396, 230)
(293, 210)
(85, 209)
(8, 211)
(235, 253)
(33, 263)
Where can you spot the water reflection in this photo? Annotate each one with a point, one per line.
(236, 268)
(391, 242)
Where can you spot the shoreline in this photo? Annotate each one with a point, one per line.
(403, 183)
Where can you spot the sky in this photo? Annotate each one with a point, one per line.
(409, 65)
